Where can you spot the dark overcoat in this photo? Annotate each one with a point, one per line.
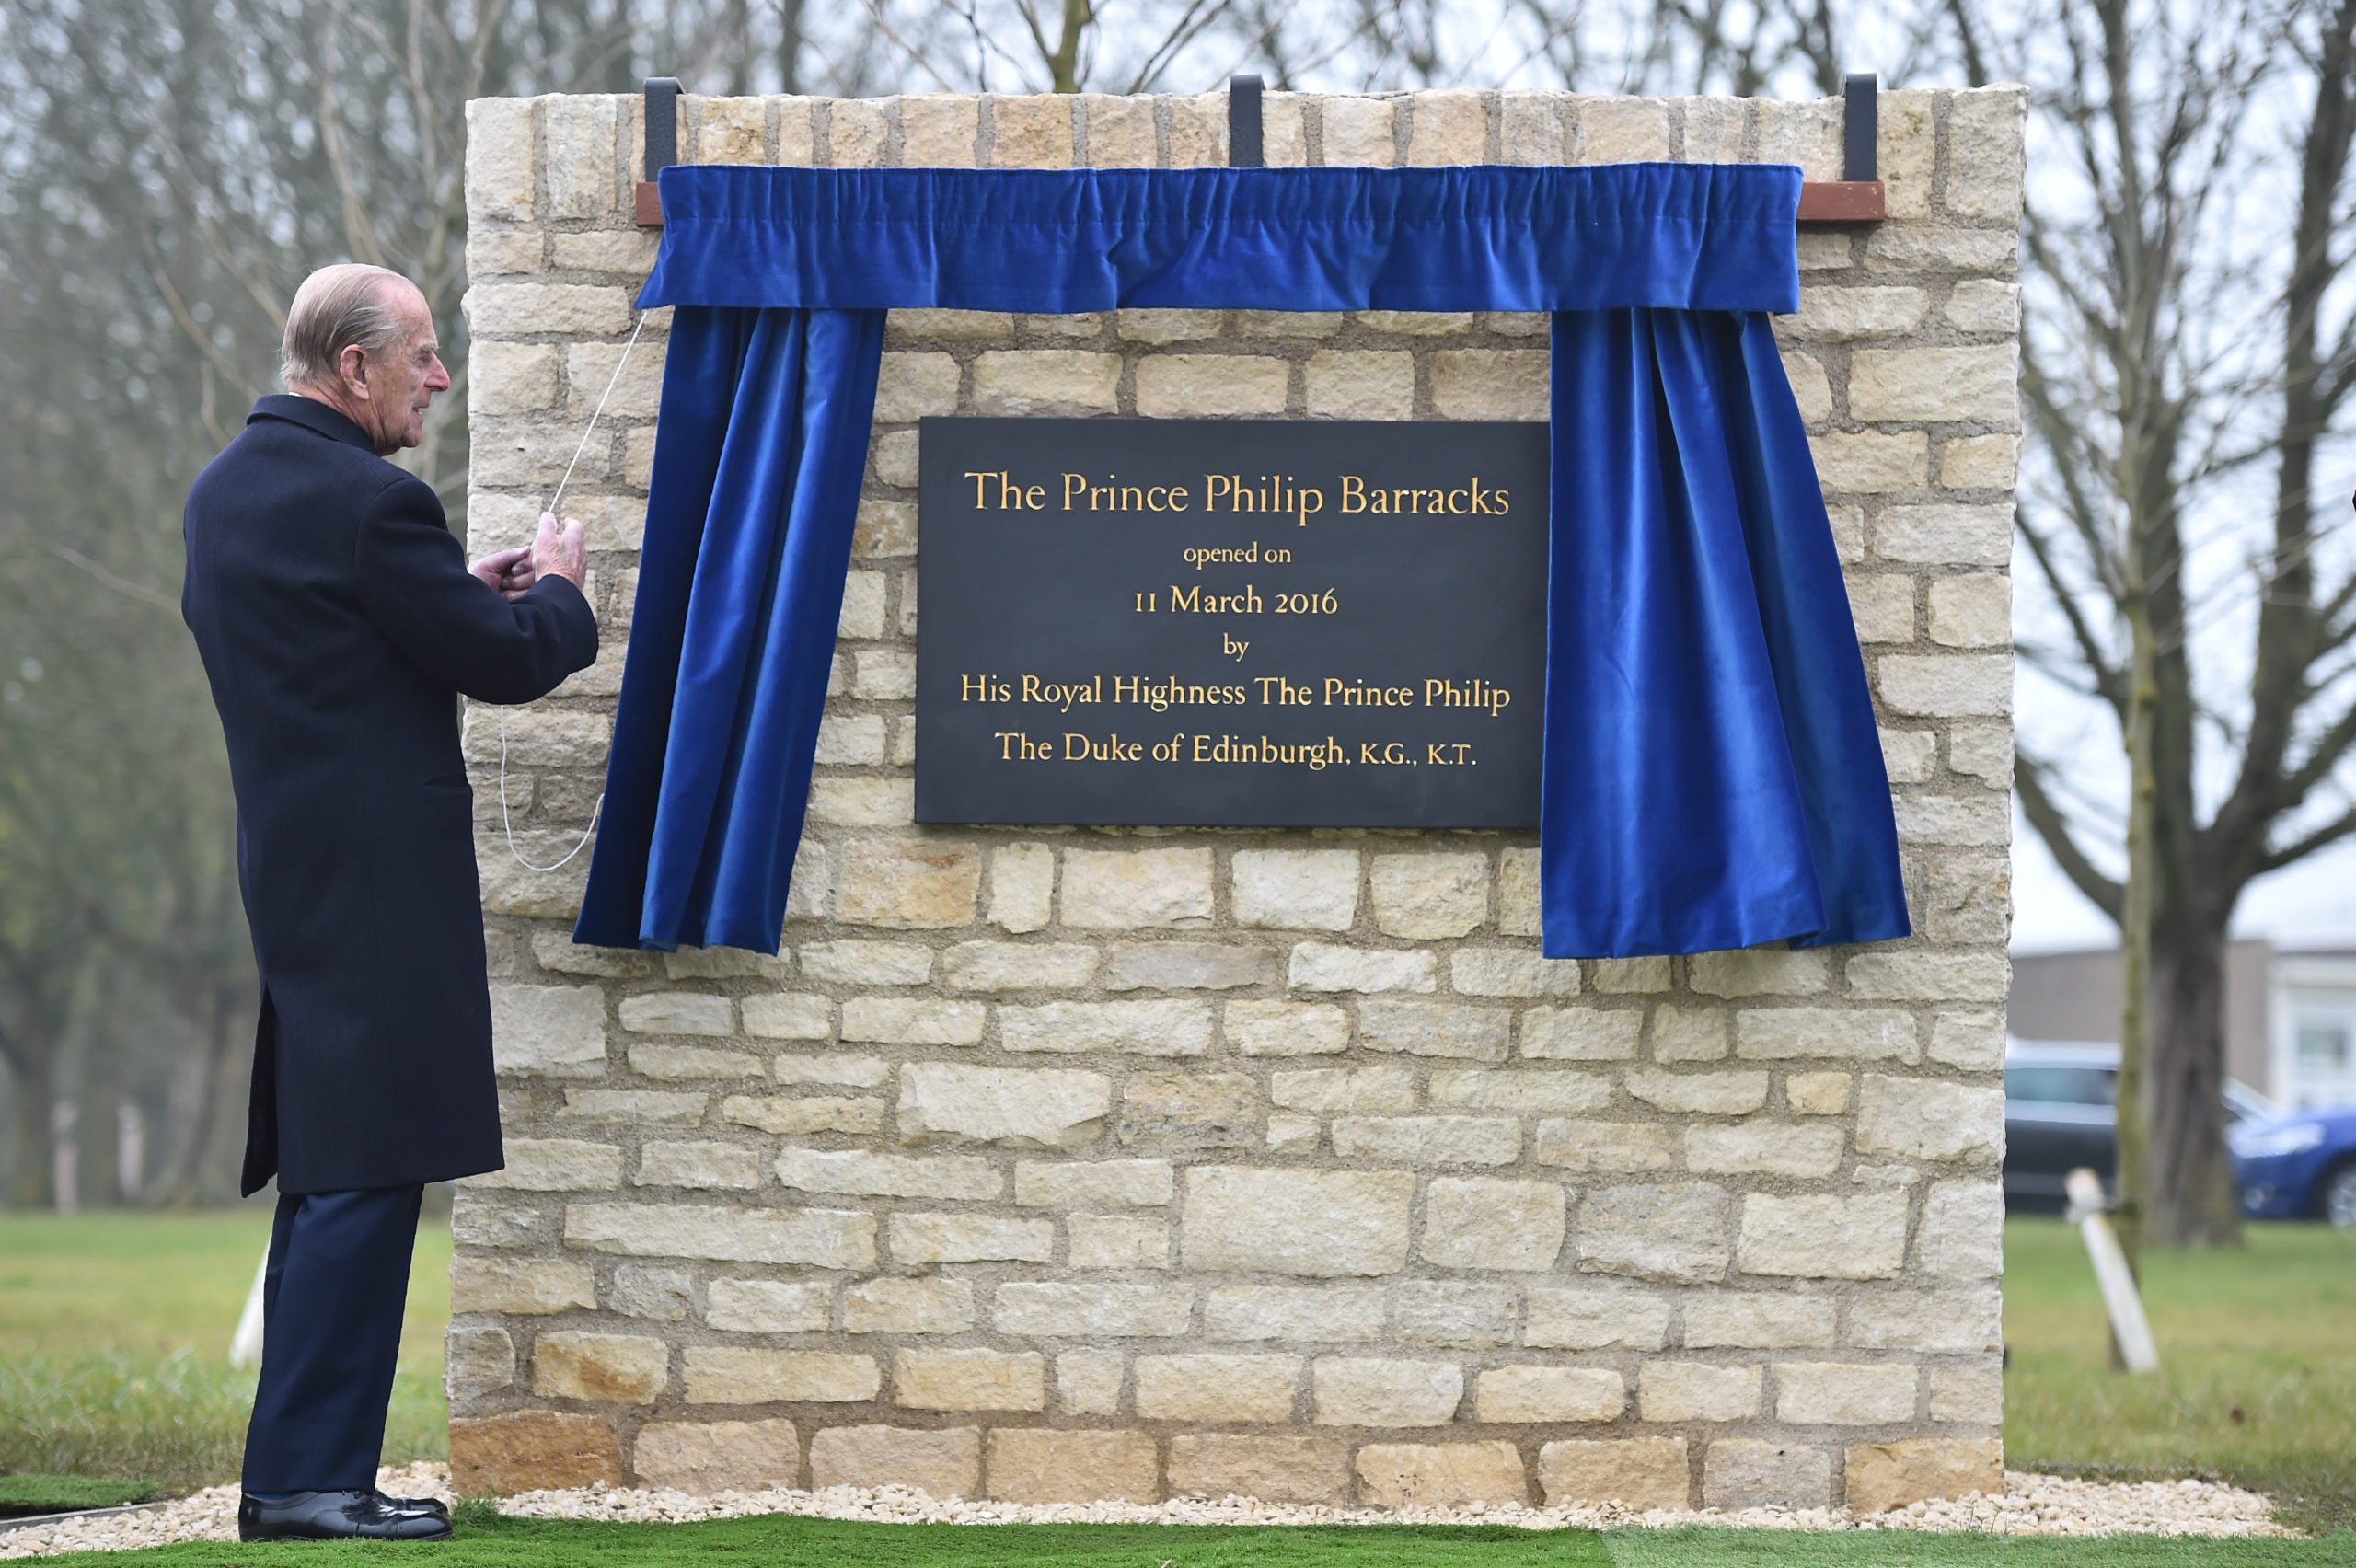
(338, 623)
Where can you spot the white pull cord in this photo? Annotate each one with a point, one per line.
(506, 822)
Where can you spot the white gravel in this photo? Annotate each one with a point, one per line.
(2030, 1505)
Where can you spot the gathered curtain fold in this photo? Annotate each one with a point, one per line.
(1712, 769)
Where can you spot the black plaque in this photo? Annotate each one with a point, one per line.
(1230, 623)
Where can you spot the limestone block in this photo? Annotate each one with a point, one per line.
(1452, 1314)
(529, 1449)
(1344, 1088)
(896, 1303)
(970, 1239)
(549, 1031)
(1022, 886)
(1400, 1475)
(1930, 1119)
(556, 1165)
(778, 1017)
(1689, 1033)
(1032, 132)
(864, 963)
(1550, 1394)
(615, 1368)
(1088, 1382)
(1434, 1028)
(1936, 384)
(1056, 1308)
(1955, 1318)
(865, 1174)
(1766, 1148)
(792, 1115)
(1358, 384)
(1757, 1319)
(1190, 1110)
(1962, 1234)
(1035, 1465)
(1595, 1316)
(1855, 1033)
(1322, 1223)
(1817, 1393)
(1216, 1388)
(768, 1306)
(1117, 1241)
(521, 1286)
(1321, 966)
(1582, 1033)
(940, 130)
(1044, 382)
(1516, 1089)
(708, 1165)
(1380, 1391)
(1425, 1141)
(1612, 1146)
(1946, 534)
(1211, 384)
(1425, 896)
(1145, 1029)
(1635, 1472)
(1738, 1472)
(1128, 889)
(1698, 1390)
(969, 1379)
(1675, 1232)
(1186, 966)
(500, 163)
(744, 1375)
(1093, 1183)
(907, 887)
(944, 1462)
(1823, 1236)
(476, 1362)
(1335, 1314)
(1489, 384)
(945, 1101)
(1716, 1094)
(1273, 1469)
(705, 1456)
(1286, 1028)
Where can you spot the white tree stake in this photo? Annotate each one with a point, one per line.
(245, 1346)
(2118, 1295)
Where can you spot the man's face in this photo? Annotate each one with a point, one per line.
(401, 383)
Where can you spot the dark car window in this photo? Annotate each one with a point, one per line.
(2059, 1085)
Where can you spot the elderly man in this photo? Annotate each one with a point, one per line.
(338, 620)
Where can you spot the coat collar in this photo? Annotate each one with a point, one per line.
(314, 414)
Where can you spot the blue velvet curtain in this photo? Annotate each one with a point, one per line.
(1713, 774)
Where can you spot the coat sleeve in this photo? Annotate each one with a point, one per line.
(416, 591)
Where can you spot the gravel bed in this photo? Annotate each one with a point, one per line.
(2030, 1505)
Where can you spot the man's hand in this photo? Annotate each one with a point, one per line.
(496, 570)
(557, 552)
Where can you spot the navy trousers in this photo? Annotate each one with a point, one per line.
(332, 1292)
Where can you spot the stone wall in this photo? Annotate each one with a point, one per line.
(1077, 1164)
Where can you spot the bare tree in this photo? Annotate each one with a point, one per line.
(2186, 336)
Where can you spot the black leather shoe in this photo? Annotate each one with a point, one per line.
(332, 1516)
(416, 1504)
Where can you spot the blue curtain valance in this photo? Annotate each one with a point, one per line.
(1711, 769)
(1681, 237)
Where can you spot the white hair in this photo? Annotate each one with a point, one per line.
(338, 307)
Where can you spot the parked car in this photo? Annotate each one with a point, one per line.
(2060, 1114)
(2297, 1165)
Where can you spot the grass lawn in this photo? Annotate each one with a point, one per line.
(2257, 1367)
(114, 1345)
(487, 1540)
(114, 1328)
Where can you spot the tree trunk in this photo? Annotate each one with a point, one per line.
(2189, 1195)
(31, 1184)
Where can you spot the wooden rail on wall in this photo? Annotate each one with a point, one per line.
(1855, 199)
